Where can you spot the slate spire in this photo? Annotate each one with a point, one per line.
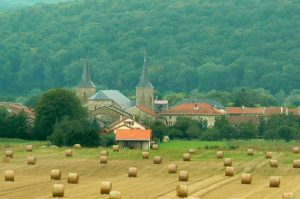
(144, 79)
(86, 77)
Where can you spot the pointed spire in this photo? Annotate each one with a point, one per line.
(144, 80)
(86, 77)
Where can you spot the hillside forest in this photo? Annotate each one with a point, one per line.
(198, 48)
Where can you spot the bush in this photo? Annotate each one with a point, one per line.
(107, 139)
(69, 132)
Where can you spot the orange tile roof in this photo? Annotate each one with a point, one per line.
(193, 108)
(244, 111)
(147, 110)
(133, 134)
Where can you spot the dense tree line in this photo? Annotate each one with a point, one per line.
(192, 46)
(16, 4)
(281, 127)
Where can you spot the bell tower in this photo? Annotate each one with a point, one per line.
(144, 89)
(86, 88)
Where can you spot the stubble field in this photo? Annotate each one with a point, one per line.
(207, 179)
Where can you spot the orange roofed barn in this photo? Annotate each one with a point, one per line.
(134, 138)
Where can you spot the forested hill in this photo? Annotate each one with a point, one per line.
(13, 4)
(194, 44)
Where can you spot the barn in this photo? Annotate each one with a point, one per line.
(134, 138)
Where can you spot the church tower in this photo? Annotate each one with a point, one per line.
(86, 88)
(144, 89)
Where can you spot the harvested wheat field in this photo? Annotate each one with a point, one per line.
(206, 180)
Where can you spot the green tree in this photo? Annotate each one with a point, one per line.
(286, 133)
(76, 131)
(53, 106)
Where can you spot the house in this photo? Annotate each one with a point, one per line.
(196, 111)
(143, 113)
(126, 123)
(134, 138)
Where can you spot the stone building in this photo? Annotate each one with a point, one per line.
(144, 89)
(86, 88)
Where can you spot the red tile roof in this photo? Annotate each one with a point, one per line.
(193, 109)
(239, 119)
(244, 111)
(147, 110)
(133, 134)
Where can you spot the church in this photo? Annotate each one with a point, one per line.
(110, 106)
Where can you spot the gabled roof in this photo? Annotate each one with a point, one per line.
(244, 111)
(147, 110)
(193, 109)
(144, 79)
(86, 80)
(133, 134)
(114, 95)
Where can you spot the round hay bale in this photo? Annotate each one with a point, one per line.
(69, 153)
(58, 190)
(229, 171)
(132, 172)
(115, 148)
(227, 162)
(55, 174)
(186, 157)
(104, 153)
(77, 146)
(9, 154)
(172, 168)
(246, 178)
(296, 150)
(268, 155)
(288, 195)
(182, 190)
(115, 195)
(105, 187)
(73, 178)
(31, 160)
(157, 160)
(9, 175)
(274, 181)
(192, 151)
(29, 148)
(296, 164)
(250, 151)
(273, 163)
(103, 159)
(220, 154)
(145, 155)
(184, 176)
(154, 146)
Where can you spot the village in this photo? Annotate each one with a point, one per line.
(127, 119)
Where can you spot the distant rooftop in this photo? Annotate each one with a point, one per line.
(114, 95)
(212, 102)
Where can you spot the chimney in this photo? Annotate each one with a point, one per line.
(243, 107)
(287, 110)
(196, 106)
(281, 110)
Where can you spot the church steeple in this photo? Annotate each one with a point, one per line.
(86, 88)
(86, 77)
(144, 79)
(144, 89)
